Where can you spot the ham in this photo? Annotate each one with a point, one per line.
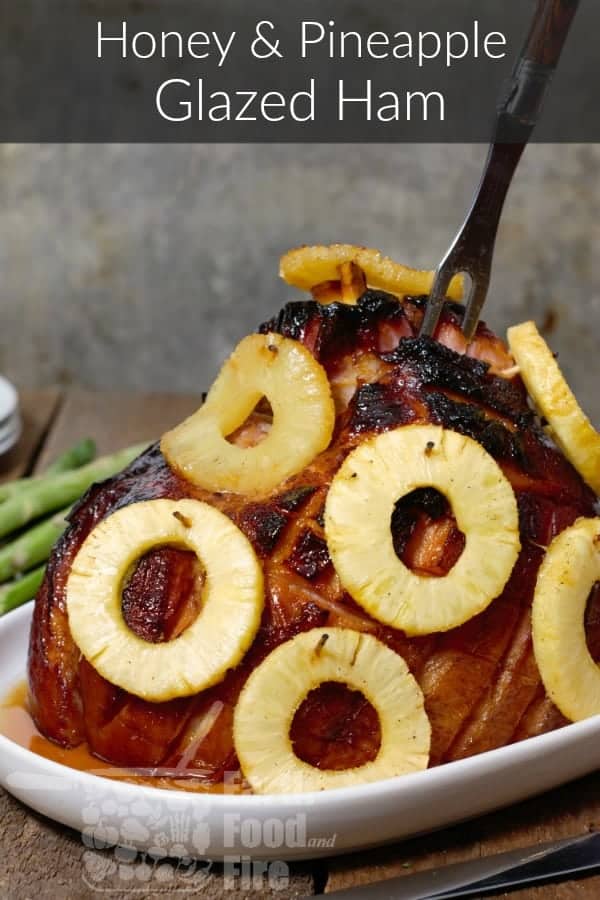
(481, 685)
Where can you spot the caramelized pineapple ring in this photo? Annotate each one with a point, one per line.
(276, 689)
(296, 386)
(358, 517)
(310, 267)
(570, 569)
(571, 428)
(232, 599)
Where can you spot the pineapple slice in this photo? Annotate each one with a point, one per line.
(570, 569)
(571, 428)
(310, 267)
(296, 386)
(232, 599)
(276, 689)
(358, 514)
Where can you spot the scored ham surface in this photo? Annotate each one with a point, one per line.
(481, 685)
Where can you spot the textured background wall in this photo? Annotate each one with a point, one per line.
(140, 266)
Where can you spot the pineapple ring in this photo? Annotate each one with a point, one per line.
(571, 428)
(570, 569)
(307, 267)
(297, 387)
(277, 687)
(232, 599)
(359, 510)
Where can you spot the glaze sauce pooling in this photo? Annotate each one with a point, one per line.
(17, 725)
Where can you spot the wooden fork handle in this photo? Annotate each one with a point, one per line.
(520, 106)
(549, 30)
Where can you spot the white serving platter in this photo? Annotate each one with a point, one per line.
(172, 823)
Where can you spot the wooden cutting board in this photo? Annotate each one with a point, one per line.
(39, 859)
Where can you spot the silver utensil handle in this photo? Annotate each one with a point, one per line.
(526, 865)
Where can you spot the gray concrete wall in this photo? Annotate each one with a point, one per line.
(140, 266)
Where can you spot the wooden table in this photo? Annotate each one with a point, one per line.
(39, 859)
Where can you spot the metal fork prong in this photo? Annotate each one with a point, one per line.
(435, 303)
(474, 304)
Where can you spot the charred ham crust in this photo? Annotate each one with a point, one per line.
(436, 366)
(263, 524)
(337, 328)
(292, 500)
(331, 329)
(309, 556)
(381, 406)
(470, 420)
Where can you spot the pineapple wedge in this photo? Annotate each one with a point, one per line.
(570, 569)
(308, 267)
(296, 386)
(571, 428)
(276, 689)
(359, 510)
(232, 599)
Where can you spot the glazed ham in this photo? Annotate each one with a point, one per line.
(480, 682)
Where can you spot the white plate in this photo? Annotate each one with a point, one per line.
(177, 823)
(8, 400)
(10, 435)
(10, 420)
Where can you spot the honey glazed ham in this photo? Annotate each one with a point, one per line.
(480, 682)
